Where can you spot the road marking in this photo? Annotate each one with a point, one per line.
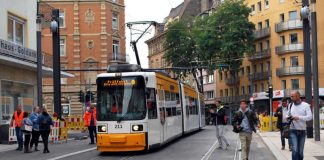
(74, 153)
(210, 151)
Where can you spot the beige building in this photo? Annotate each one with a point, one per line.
(278, 58)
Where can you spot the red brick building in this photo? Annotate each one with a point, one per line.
(92, 36)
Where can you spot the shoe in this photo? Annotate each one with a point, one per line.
(227, 146)
(240, 150)
(18, 149)
(36, 149)
(47, 151)
(91, 143)
(283, 148)
(27, 150)
(219, 148)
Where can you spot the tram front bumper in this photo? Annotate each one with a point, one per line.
(121, 142)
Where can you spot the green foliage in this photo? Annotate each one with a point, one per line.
(221, 38)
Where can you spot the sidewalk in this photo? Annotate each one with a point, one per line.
(7, 147)
(313, 150)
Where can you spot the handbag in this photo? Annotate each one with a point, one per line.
(26, 128)
(286, 128)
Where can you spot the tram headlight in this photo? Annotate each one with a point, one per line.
(102, 128)
(137, 127)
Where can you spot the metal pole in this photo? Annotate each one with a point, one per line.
(270, 114)
(39, 59)
(56, 66)
(136, 53)
(307, 68)
(201, 80)
(315, 71)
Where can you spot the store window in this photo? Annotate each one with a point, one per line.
(13, 94)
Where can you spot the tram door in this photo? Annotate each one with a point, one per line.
(163, 126)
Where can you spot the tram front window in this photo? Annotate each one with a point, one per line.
(121, 98)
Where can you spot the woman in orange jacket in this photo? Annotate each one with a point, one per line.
(90, 121)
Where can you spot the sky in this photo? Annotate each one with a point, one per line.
(145, 10)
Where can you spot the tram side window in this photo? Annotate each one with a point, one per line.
(151, 103)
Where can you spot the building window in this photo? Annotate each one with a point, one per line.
(220, 76)
(63, 80)
(255, 88)
(283, 84)
(259, 6)
(225, 75)
(282, 17)
(221, 93)
(62, 19)
(261, 67)
(226, 92)
(62, 47)
(268, 66)
(115, 48)
(283, 62)
(293, 15)
(267, 44)
(243, 90)
(260, 46)
(294, 61)
(254, 68)
(294, 83)
(260, 25)
(114, 21)
(267, 23)
(293, 38)
(266, 4)
(16, 30)
(253, 9)
(232, 92)
(204, 79)
(249, 89)
(210, 94)
(248, 70)
(282, 40)
(262, 87)
(211, 78)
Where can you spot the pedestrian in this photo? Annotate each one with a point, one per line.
(220, 115)
(299, 112)
(27, 128)
(90, 121)
(35, 133)
(244, 123)
(45, 122)
(282, 113)
(16, 122)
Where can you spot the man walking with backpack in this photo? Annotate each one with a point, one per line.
(221, 120)
(244, 122)
(299, 112)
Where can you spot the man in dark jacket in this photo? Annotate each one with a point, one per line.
(245, 121)
(219, 114)
(282, 113)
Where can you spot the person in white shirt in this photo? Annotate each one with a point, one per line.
(299, 112)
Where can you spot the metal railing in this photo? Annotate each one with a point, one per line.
(260, 55)
(232, 81)
(119, 58)
(262, 33)
(287, 71)
(289, 25)
(298, 47)
(259, 76)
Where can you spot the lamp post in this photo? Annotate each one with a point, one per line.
(39, 58)
(55, 28)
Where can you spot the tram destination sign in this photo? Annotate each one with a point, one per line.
(115, 82)
(14, 50)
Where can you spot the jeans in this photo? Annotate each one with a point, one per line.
(35, 138)
(245, 139)
(220, 130)
(298, 141)
(283, 143)
(92, 133)
(19, 136)
(27, 140)
(44, 134)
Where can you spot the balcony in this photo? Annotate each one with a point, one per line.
(117, 59)
(260, 55)
(289, 25)
(299, 47)
(288, 71)
(232, 81)
(262, 33)
(258, 76)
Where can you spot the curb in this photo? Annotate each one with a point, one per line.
(275, 151)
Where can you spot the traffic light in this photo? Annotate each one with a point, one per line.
(81, 96)
(270, 92)
(88, 95)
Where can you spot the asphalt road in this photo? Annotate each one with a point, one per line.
(198, 146)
